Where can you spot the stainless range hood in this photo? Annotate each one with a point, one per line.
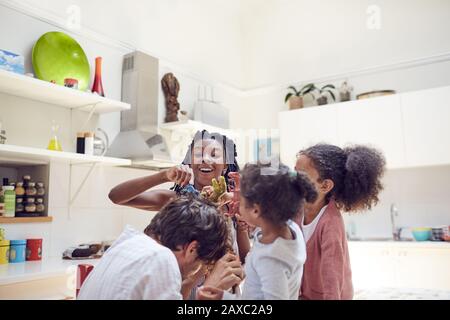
(139, 139)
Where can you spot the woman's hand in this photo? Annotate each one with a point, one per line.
(181, 175)
(209, 293)
(227, 273)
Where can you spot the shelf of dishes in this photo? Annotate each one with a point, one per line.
(34, 89)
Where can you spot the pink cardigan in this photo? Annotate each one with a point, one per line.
(326, 273)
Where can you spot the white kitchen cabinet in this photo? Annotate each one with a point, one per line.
(372, 266)
(426, 268)
(376, 122)
(426, 118)
(302, 128)
(400, 265)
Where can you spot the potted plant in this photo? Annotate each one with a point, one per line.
(323, 99)
(345, 91)
(295, 97)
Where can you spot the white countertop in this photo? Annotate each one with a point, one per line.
(402, 244)
(34, 270)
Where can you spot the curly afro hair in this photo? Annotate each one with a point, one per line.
(279, 192)
(356, 172)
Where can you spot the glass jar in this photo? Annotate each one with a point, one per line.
(20, 208)
(26, 180)
(31, 189)
(40, 189)
(40, 207)
(30, 207)
(20, 190)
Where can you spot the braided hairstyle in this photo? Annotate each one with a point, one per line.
(356, 172)
(229, 149)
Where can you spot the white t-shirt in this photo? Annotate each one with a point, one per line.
(135, 267)
(308, 230)
(274, 271)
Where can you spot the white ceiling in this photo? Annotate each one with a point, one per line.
(255, 43)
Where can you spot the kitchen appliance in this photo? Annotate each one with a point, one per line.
(139, 138)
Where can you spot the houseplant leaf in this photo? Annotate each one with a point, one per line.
(288, 96)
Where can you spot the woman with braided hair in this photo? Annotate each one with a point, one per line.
(210, 156)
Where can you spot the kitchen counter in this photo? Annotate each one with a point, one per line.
(402, 244)
(36, 270)
(400, 294)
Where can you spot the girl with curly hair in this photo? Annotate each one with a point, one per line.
(346, 180)
(269, 199)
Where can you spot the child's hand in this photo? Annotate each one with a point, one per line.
(241, 224)
(209, 293)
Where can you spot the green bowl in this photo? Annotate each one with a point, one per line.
(57, 56)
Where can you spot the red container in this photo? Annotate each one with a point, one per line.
(83, 271)
(34, 249)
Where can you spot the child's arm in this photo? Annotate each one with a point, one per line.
(242, 239)
(332, 263)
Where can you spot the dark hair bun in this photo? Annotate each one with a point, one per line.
(364, 169)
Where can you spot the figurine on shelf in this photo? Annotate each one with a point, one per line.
(171, 88)
(345, 91)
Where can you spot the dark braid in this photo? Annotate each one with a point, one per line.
(227, 144)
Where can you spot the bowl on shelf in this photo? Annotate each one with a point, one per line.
(421, 234)
(437, 233)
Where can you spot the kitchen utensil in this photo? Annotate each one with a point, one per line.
(421, 234)
(17, 251)
(437, 234)
(54, 143)
(34, 249)
(373, 94)
(4, 251)
(101, 142)
(71, 83)
(446, 233)
(57, 56)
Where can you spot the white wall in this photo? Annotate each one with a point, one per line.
(296, 40)
(200, 35)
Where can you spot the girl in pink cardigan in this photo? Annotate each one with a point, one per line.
(346, 180)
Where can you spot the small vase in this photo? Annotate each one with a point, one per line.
(295, 103)
(97, 87)
(322, 100)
